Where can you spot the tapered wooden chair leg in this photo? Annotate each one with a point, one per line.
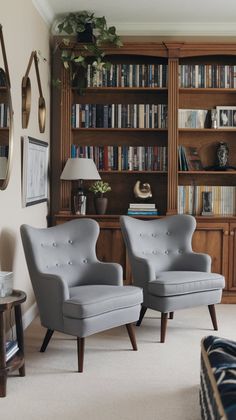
(46, 340)
(131, 333)
(213, 316)
(142, 313)
(164, 318)
(80, 352)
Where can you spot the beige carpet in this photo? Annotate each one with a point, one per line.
(159, 382)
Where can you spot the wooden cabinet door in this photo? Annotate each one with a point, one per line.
(213, 239)
(232, 257)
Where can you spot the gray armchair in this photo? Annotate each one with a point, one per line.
(163, 264)
(77, 294)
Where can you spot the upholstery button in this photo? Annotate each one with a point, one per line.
(57, 265)
(166, 252)
(141, 234)
(85, 261)
(180, 251)
(70, 262)
(41, 244)
(168, 233)
(70, 241)
(54, 244)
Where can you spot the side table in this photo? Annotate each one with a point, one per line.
(17, 361)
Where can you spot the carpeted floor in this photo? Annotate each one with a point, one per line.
(159, 382)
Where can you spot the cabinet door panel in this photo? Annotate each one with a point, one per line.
(212, 239)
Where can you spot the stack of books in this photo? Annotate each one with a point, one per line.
(11, 349)
(142, 209)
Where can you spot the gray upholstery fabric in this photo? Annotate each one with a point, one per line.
(172, 283)
(163, 263)
(67, 277)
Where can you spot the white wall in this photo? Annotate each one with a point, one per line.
(24, 31)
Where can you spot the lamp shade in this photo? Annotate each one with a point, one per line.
(80, 168)
(3, 167)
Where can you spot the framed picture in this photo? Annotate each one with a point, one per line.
(35, 171)
(207, 203)
(226, 116)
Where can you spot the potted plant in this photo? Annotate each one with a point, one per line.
(99, 188)
(92, 34)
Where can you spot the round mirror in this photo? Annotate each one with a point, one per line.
(6, 140)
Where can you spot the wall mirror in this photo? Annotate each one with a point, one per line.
(6, 117)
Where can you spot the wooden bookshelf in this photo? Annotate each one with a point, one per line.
(215, 234)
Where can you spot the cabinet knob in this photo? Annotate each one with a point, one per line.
(226, 232)
(232, 233)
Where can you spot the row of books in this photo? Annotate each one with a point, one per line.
(193, 118)
(119, 116)
(4, 115)
(189, 159)
(4, 150)
(128, 75)
(142, 209)
(190, 199)
(11, 349)
(207, 76)
(124, 158)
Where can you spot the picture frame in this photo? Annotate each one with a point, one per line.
(35, 171)
(207, 203)
(226, 117)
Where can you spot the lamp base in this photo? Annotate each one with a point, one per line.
(79, 203)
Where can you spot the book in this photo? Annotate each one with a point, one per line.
(143, 213)
(142, 205)
(11, 349)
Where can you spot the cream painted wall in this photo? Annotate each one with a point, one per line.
(24, 31)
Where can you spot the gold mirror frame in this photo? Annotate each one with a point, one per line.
(26, 96)
(8, 101)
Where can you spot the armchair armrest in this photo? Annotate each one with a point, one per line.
(50, 293)
(143, 270)
(105, 273)
(193, 261)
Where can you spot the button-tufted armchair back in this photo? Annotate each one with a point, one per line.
(164, 240)
(64, 250)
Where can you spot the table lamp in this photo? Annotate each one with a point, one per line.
(79, 169)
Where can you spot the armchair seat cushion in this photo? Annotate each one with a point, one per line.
(174, 283)
(93, 300)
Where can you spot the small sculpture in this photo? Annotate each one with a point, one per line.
(142, 190)
(222, 154)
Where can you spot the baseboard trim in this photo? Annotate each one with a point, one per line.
(29, 315)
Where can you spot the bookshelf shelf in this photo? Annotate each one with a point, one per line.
(97, 129)
(217, 173)
(133, 172)
(210, 91)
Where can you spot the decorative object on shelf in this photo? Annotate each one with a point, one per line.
(214, 119)
(6, 118)
(226, 116)
(92, 34)
(26, 95)
(207, 203)
(142, 190)
(79, 169)
(222, 152)
(99, 188)
(35, 171)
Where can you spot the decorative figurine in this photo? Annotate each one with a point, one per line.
(142, 190)
(222, 155)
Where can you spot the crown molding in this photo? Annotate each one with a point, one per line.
(176, 29)
(44, 10)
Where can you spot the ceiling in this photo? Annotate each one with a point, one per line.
(153, 17)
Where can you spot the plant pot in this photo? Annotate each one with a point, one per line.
(100, 204)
